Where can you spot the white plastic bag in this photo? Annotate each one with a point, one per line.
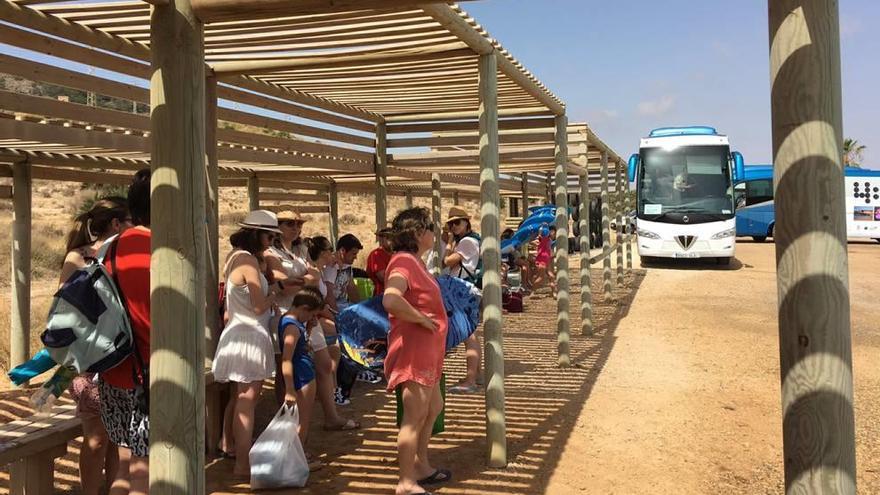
(277, 458)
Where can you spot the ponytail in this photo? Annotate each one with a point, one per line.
(90, 225)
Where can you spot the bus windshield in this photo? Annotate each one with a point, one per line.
(687, 179)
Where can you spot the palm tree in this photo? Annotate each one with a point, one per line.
(853, 153)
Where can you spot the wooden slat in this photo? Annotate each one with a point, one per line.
(304, 209)
(274, 196)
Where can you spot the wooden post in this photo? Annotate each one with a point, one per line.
(563, 322)
(381, 176)
(436, 206)
(253, 190)
(606, 231)
(584, 227)
(524, 186)
(619, 210)
(212, 212)
(177, 378)
(333, 198)
(20, 297)
(455, 198)
(811, 248)
(632, 234)
(549, 188)
(408, 199)
(490, 251)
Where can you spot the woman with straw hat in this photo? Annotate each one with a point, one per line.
(245, 353)
(463, 261)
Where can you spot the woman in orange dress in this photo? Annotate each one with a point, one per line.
(416, 347)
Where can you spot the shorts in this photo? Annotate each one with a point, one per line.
(303, 371)
(125, 424)
(84, 391)
(317, 340)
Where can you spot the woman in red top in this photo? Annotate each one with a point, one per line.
(416, 346)
(125, 417)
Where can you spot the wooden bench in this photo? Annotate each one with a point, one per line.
(30, 446)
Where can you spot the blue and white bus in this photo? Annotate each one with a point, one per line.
(684, 184)
(755, 216)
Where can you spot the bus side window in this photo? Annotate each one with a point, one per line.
(739, 195)
(759, 191)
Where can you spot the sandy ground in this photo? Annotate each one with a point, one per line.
(689, 400)
(677, 392)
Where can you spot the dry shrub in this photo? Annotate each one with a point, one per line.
(351, 219)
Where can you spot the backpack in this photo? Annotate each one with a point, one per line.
(475, 277)
(89, 328)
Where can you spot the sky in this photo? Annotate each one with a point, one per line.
(626, 67)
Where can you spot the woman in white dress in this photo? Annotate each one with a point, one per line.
(245, 353)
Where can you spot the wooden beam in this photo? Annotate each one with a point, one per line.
(815, 348)
(606, 230)
(618, 209)
(299, 208)
(381, 171)
(490, 253)
(274, 196)
(563, 319)
(586, 279)
(436, 199)
(177, 265)
(212, 212)
(333, 198)
(235, 10)
(20, 294)
(253, 192)
(438, 116)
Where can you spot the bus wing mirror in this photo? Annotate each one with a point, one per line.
(739, 167)
(632, 165)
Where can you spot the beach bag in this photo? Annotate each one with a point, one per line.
(88, 328)
(277, 458)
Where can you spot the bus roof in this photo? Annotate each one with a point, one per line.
(759, 172)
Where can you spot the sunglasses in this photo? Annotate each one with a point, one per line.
(458, 221)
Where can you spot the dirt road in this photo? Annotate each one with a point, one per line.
(689, 400)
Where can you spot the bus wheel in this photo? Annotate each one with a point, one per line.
(646, 261)
(724, 260)
(759, 238)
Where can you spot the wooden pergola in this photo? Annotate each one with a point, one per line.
(405, 97)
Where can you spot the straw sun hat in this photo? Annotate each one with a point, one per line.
(261, 220)
(290, 216)
(457, 213)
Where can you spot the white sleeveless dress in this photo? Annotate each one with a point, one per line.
(245, 352)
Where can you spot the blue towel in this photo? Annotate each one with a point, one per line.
(37, 365)
(462, 302)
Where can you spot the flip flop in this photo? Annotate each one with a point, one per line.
(226, 455)
(349, 424)
(439, 476)
(463, 389)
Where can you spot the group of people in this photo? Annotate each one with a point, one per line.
(280, 296)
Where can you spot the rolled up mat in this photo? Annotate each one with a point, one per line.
(363, 332)
(462, 302)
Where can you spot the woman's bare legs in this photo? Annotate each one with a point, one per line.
(243, 424)
(416, 407)
(96, 455)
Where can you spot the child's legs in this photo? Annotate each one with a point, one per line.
(227, 440)
(305, 401)
(326, 387)
(473, 355)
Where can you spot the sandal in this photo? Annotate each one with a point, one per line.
(349, 424)
(463, 389)
(439, 476)
(314, 464)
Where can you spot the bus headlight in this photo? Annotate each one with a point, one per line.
(647, 234)
(724, 234)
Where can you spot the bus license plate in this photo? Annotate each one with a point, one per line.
(685, 255)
